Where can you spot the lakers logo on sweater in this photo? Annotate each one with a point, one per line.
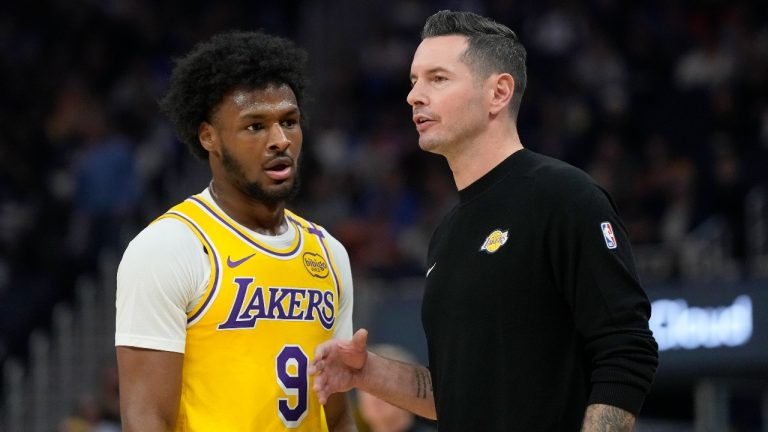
(495, 241)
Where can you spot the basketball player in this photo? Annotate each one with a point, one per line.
(533, 313)
(222, 300)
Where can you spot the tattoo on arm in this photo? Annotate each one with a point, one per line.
(423, 382)
(606, 418)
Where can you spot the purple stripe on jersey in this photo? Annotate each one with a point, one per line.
(215, 267)
(316, 231)
(244, 236)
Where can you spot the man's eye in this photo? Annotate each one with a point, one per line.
(290, 123)
(439, 78)
(255, 127)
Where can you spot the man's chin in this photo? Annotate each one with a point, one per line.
(275, 193)
(429, 145)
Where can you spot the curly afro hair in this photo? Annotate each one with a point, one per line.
(212, 69)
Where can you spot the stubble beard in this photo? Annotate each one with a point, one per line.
(431, 143)
(447, 142)
(255, 190)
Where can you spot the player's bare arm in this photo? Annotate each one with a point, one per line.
(341, 365)
(150, 388)
(607, 418)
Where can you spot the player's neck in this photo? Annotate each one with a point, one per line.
(255, 215)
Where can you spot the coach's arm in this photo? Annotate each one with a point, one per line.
(340, 365)
(150, 388)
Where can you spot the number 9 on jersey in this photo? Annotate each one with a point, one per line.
(292, 376)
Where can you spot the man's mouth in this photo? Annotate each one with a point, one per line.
(279, 169)
(422, 121)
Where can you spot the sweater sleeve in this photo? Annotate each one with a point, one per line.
(594, 267)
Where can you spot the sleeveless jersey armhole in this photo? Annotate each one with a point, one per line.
(213, 256)
(316, 232)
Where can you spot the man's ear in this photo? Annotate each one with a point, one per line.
(503, 87)
(207, 136)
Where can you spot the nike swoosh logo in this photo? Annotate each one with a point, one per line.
(233, 264)
(429, 270)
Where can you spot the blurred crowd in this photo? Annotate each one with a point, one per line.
(664, 103)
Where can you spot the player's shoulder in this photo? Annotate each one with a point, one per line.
(164, 235)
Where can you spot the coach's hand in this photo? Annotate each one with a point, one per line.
(339, 365)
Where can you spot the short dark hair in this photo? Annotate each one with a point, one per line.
(493, 47)
(201, 79)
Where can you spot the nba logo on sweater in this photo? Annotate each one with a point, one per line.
(610, 240)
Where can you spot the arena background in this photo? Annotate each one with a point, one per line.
(664, 103)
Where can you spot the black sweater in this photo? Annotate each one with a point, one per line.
(532, 307)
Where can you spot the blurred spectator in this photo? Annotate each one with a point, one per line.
(602, 72)
(729, 191)
(97, 412)
(105, 194)
(556, 31)
(706, 65)
(679, 207)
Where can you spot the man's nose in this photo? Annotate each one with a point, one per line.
(416, 96)
(278, 140)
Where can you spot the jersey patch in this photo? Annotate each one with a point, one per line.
(610, 239)
(495, 240)
(315, 265)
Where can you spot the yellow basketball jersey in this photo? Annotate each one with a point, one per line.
(252, 336)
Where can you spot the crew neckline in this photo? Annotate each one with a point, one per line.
(495, 175)
(280, 240)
